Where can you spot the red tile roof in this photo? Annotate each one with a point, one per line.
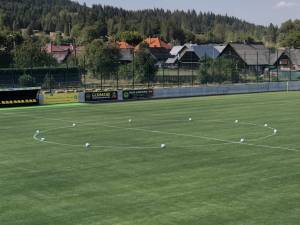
(157, 43)
(51, 48)
(124, 45)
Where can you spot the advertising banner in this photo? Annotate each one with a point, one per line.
(138, 94)
(19, 97)
(101, 96)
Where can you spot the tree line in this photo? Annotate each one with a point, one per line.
(85, 23)
(88, 23)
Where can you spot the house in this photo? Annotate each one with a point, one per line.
(191, 54)
(254, 57)
(124, 45)
(159, 49)
(157, 43)
(126, 55)
(126, 52)
(62, 52)
(288, 59)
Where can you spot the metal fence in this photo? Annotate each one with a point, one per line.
(177, 75)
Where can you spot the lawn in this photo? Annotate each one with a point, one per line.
(203, 176)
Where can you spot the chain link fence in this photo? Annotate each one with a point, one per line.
(269, 66)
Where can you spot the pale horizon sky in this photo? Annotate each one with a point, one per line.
(262, 12)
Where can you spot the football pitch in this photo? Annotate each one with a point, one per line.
(231, 160)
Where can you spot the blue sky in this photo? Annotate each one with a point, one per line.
(257, 11)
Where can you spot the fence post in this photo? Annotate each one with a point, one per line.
(133, 75)
(257, 66)
(178, 75)
(192, 76)
(269, 65)
(101, 84)
(290, 65)
(117, 79)
(163, 67)
(277, 66)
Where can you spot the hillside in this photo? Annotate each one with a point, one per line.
(61, 15)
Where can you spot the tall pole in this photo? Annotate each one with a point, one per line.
(117, 80)
(84, 82)
(178, 68)
(133, 75)
(192, 76)
(163, 67)
(269, 65)
(257, 66)
(148, 72)
(277, 65)
(290, 64)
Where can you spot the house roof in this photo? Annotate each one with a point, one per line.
(294, 56)
(124, 45)
(176, 50)
(160, 54)
(51, 48)
(254, 53)
(61, 52)
(157, 43)
(60, 56)
(210, 50)
(126, 55)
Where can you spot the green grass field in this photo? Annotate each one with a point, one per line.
(203, 176)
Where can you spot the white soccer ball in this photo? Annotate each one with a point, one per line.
(37, 132)
(74, 124)
(190, 119)
(87, 145)
(242, 140)
(43, 139)
(163, 146)
(130, 120)
(236, 121)
(266, 125)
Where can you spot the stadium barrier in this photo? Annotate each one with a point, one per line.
(226, 89)
(59, 98)
(19, 97)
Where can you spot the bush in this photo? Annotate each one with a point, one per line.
(26, 81)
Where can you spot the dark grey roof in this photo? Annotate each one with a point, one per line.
(294, 56)
(160, 54)
(126, 55)
(254, 53)
(210, 50)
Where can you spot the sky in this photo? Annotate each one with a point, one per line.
(262, 12)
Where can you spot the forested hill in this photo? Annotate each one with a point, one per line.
(65, 15)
